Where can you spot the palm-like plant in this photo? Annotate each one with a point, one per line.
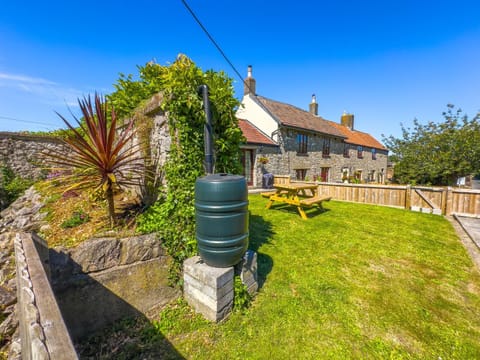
(103, 157)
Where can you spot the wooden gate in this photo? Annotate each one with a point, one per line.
(426, 199)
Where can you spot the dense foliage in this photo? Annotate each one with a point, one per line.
(173, 215)
(11, 186)
(439, 152)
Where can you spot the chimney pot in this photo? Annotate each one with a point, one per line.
(249, 84)
(313, 107)
(347, 120)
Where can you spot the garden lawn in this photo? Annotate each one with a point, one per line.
(354, 281)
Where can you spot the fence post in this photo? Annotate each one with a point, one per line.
(448, 201)
(408, 195)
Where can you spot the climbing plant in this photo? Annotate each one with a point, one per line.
(173, 215)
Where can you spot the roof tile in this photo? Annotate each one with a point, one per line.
(290, 115)
(358, 137)
(253, 134)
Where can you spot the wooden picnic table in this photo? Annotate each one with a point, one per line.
(301, 195)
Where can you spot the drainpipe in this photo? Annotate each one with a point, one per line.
(208, 137)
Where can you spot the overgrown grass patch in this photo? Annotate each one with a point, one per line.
(75, 216)
(355, 281)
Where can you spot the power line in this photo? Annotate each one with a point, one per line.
(215, 43)
(26, 121)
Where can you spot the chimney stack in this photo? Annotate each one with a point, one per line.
(249, 83)
(347, 120)
(313, 107)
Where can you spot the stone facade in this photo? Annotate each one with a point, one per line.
(286, 160)
(309, 146)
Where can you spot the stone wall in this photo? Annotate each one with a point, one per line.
(273, 166)
(10, 336)
(106, 279)
(42, 329)
(23, 153)
(287, 160)
(100, 281)
(160, 139)
(22, 215)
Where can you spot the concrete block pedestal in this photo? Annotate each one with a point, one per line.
(209, 290)
(247, 270)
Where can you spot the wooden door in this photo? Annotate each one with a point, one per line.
(324, 174)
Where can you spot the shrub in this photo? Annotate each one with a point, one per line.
(11, 186)
(79, 217)
(103, 157)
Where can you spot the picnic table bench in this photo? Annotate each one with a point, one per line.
(316, 200)
(301, 195)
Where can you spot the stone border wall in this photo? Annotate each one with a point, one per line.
(104, 280)
(42, 329)
(23, 153)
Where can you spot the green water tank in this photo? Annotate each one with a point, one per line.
(221, 213)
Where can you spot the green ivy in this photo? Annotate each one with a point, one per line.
(173, 216)
(11, 186)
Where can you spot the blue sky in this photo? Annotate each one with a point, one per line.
(387, 62)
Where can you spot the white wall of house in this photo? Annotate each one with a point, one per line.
(256, 114)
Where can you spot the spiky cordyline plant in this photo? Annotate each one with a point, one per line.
(102, 156)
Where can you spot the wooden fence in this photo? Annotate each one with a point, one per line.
(436, 200)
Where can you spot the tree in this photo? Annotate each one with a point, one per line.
(437, 153)
(104, 157)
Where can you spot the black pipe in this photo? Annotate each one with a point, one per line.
(208, 137)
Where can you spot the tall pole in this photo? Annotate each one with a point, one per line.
(208, 137)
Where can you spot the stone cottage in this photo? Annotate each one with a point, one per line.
(304, 145)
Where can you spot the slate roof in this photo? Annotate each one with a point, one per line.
(289, 115)
(358, 137)
(253, 134)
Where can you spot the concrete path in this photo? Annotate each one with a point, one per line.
(468, 229)
(471, 227)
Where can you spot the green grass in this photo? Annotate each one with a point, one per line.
(355, 281)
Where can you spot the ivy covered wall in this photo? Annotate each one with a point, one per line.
(165, 102)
